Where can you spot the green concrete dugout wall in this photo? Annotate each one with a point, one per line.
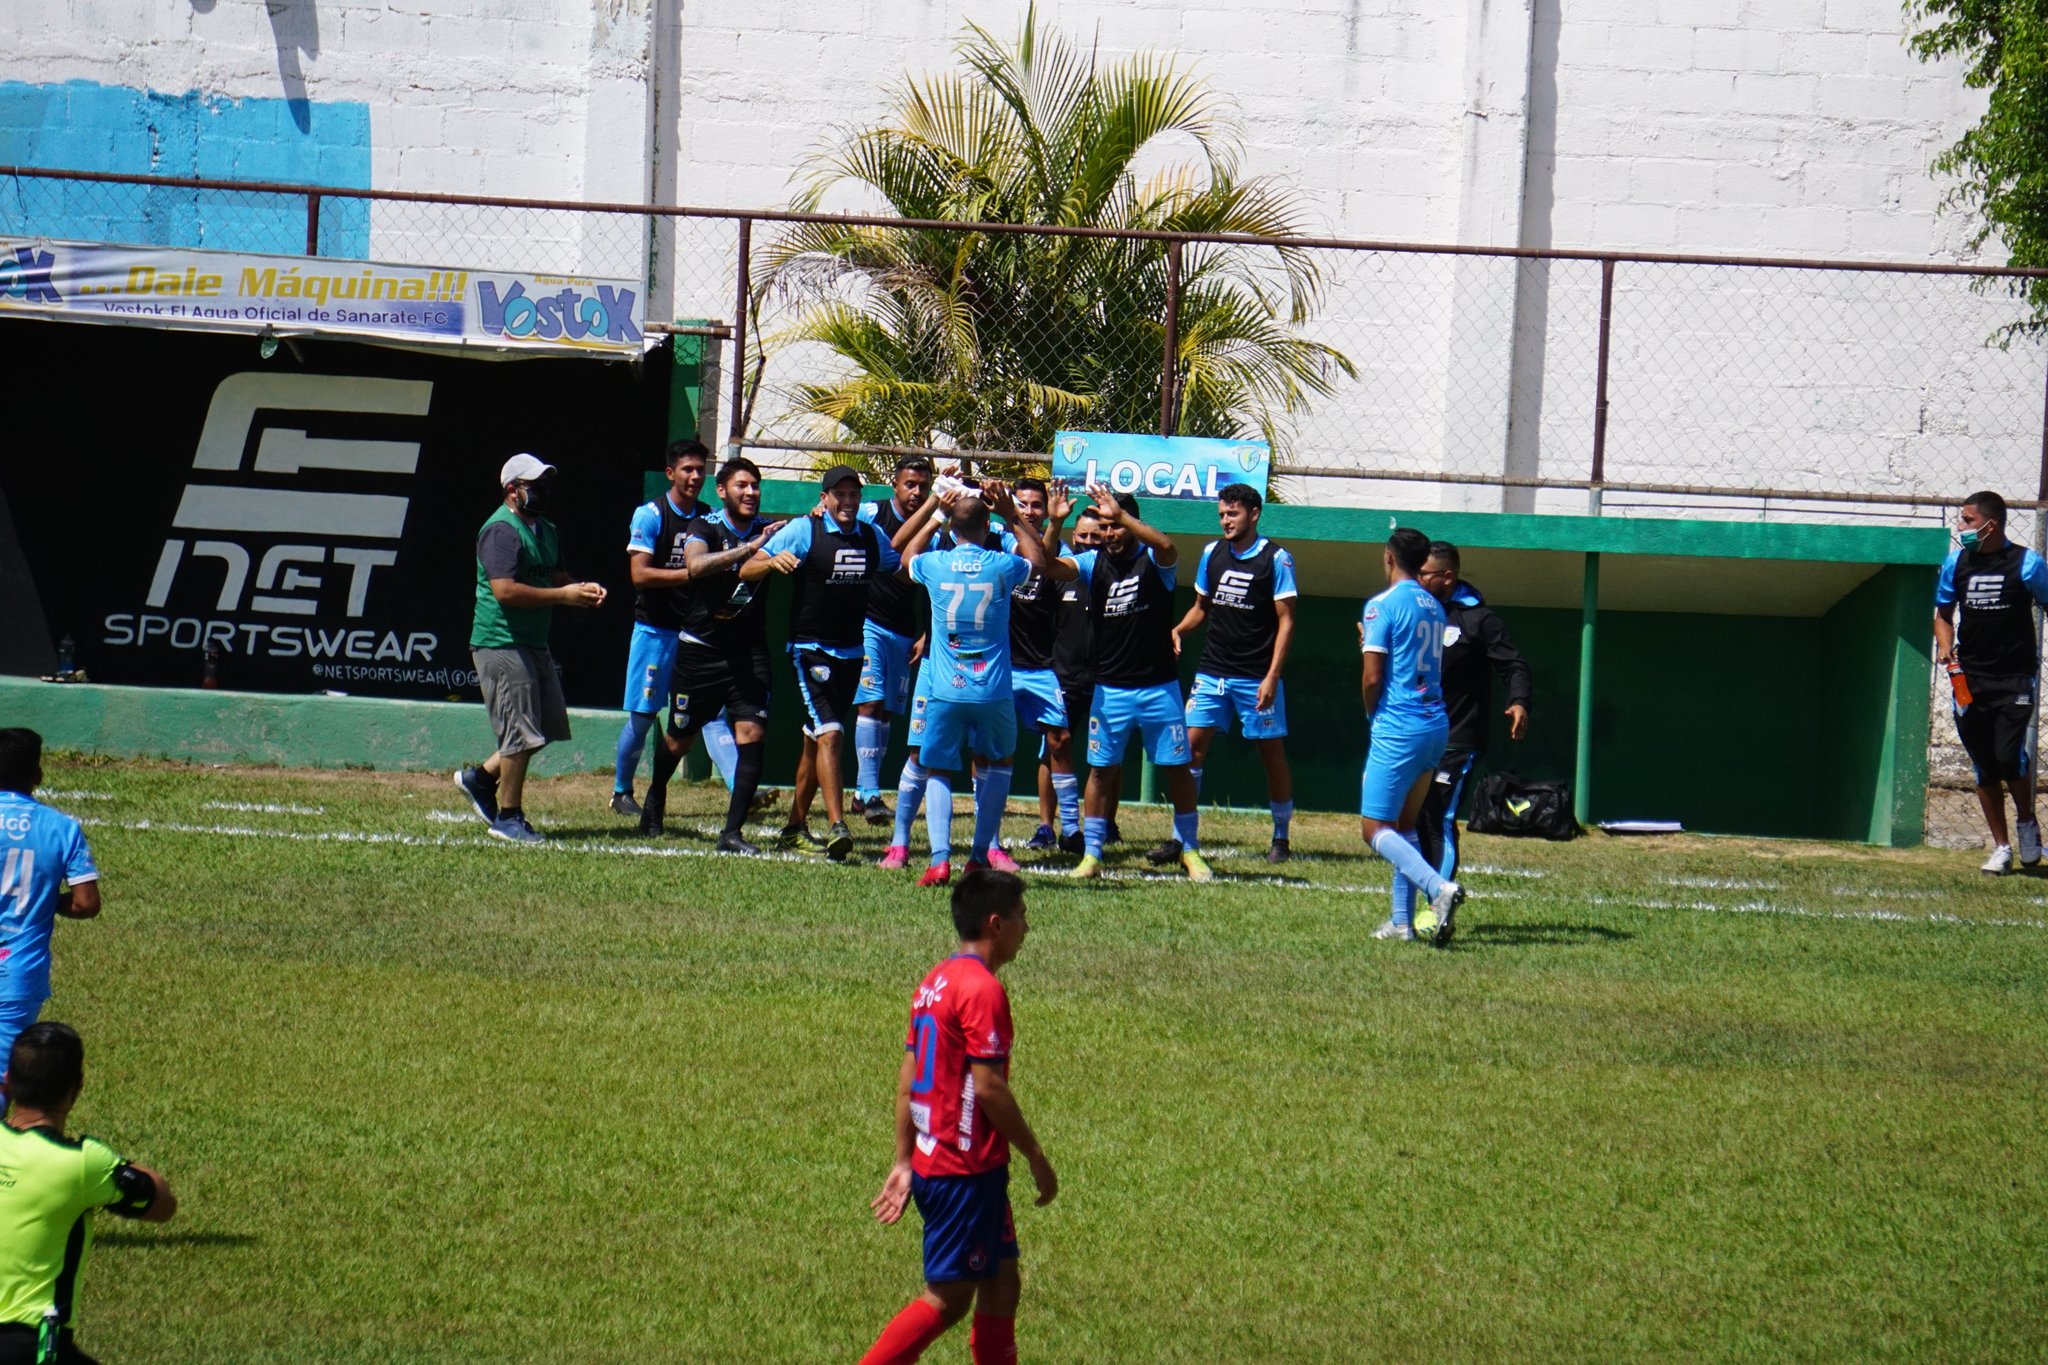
(1749, 679)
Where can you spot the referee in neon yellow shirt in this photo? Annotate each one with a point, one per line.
(49, 1186)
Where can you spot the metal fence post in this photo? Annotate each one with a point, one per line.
(1582, 757)
(737, 424)
(1169, 359)
(1599, 476)
(313, 224)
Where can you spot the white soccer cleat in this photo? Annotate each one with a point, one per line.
(1445, 905)
(1400, 933)
(2030, 842)
(1999, 863)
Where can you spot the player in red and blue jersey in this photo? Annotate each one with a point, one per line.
(45, 871)
(956, 1122)
(1401, 636)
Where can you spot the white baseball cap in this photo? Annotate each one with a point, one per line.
(522, 468)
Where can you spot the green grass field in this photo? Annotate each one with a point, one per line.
(425, 1096)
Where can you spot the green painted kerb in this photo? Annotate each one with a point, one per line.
(293, 732)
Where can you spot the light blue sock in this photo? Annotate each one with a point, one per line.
(1283, 818)
(938, 816)
(1094, 834)
(991, 792)
(632, 743)
(1404, 900)
(870, 742)
(1066, 788)
(1188, 829)
(724, 750)
(1407, 859)
(909, 796)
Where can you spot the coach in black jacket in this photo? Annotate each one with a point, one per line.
(1476, 646)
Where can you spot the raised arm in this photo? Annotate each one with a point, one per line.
(709, 563)
(1151, 537)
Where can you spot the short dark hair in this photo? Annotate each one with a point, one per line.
(738, 464)
(21, 753)
(1411, 549)
(1988, 504)
(1243, 494)
(970, 514)
(1129, 502)
(916, 462)
(1447, 552)
(678, 451)
(1087, 513)
(46, 1066)
(1030, 483)
(981, 893)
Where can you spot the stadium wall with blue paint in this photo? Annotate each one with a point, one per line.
(81, 125)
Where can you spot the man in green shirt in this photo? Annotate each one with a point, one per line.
(519, 583)
(49, 1186)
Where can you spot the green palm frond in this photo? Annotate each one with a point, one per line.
(996, 340)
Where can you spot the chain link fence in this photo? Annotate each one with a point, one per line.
(1386, 374)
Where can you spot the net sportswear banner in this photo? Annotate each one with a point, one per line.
(312, 517)
(1195, 467)
(311, 296)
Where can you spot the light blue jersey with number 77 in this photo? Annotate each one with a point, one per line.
(970, 639)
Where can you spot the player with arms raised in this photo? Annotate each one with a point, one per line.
(1401, 638)
(956, 1121)
(964, 709)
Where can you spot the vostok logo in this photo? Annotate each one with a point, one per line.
(282, 585)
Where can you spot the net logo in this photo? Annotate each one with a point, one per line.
(278, 546)
(603, 316)
(1233, 587)
(1122, 597)
(26, 278)
(849, 566)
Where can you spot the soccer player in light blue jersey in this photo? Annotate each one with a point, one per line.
(45, 871)
(963, 710)
(1401, 637)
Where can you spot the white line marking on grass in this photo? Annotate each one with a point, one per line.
(57, 794)
(1488, 870)
(263, 807)
(451, 817)
(1865, 893)
(1802, 912)
(1723, 883)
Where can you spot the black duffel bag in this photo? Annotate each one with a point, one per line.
(1504, 804)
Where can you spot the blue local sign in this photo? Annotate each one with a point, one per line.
(1197, 467)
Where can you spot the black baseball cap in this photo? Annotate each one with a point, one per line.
(837, 475)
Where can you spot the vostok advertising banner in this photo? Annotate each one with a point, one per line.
(312, 296)
(312, 518)
(1195, 467)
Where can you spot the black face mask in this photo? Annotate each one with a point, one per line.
(534, 497)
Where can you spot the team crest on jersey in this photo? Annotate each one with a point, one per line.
(821, 673)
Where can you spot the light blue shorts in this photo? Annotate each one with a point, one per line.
(1393, 765)
(1154, 711)
(1215, 700)
(649, 661)
(15, 1015)
(885, 669)
(1041, 705)
(946, 732)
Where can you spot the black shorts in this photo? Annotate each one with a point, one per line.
(827, 683)
(1080, 700)
(1993, 728)
(18, 1344)
(707, 681)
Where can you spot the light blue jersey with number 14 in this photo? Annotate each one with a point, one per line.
(40, 851)
(970, 641)
(1407, 625)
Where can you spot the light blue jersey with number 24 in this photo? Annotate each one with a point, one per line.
(1407, 625)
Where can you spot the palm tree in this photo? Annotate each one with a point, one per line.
(994, 341)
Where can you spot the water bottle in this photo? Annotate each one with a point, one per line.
(46, 1336)
(67, 657)
(211, 677)
(1960, 683)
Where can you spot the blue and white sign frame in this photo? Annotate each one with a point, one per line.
(1191, 467)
